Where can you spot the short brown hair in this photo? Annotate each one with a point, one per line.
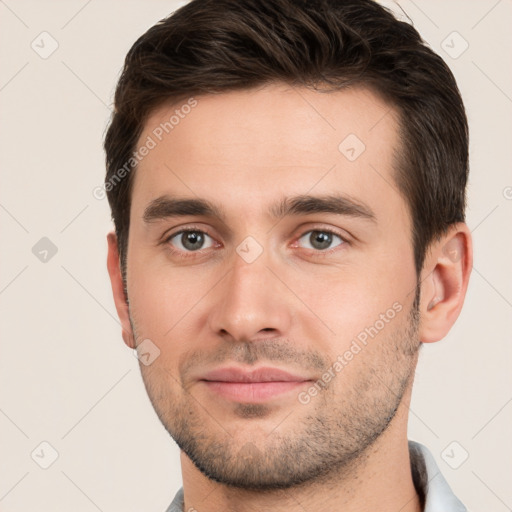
(216, 46)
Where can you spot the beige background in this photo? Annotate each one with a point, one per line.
(66, 377)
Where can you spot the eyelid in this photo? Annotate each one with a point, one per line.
(335, 233)
(344, 235)
(172, 232)
(175, 252)
(169, 234)
(174, 235)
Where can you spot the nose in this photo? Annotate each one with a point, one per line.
(250, 302)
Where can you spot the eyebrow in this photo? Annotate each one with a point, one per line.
(165, 207)
(306, 204)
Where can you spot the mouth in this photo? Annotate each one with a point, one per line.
(254, 386)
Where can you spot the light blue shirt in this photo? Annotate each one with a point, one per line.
(438, 495)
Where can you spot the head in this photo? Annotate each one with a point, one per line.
(287, 183)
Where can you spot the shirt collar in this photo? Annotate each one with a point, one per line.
(437, 493)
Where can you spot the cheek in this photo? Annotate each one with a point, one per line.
(349, 299)
(162, 297)
(164, 305)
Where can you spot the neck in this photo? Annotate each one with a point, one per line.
(380, 479)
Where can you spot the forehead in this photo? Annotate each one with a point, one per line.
(265, 142)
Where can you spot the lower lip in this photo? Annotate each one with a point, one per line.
(252, 391)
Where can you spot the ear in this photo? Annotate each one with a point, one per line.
(120, 299)
(444, 282)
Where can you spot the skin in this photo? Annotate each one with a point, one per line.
(296, 307)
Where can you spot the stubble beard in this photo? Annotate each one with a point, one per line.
(318, 442)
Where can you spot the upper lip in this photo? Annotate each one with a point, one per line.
(266, 374)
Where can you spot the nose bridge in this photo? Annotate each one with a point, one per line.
(249, 299)
(248, 280)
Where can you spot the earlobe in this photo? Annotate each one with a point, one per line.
(116, 281)
(445, 280)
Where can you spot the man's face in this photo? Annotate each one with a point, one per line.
(323, 294)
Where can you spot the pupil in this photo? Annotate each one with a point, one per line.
(192, 239)
(321, 240)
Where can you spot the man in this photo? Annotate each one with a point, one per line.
(287, 182)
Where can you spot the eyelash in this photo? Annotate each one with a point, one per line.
(188, 254)
(326, 252)
(194, 254)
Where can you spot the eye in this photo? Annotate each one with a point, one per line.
(321, 239)
(190, 240)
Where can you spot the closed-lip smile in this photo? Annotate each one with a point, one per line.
(256, 385)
